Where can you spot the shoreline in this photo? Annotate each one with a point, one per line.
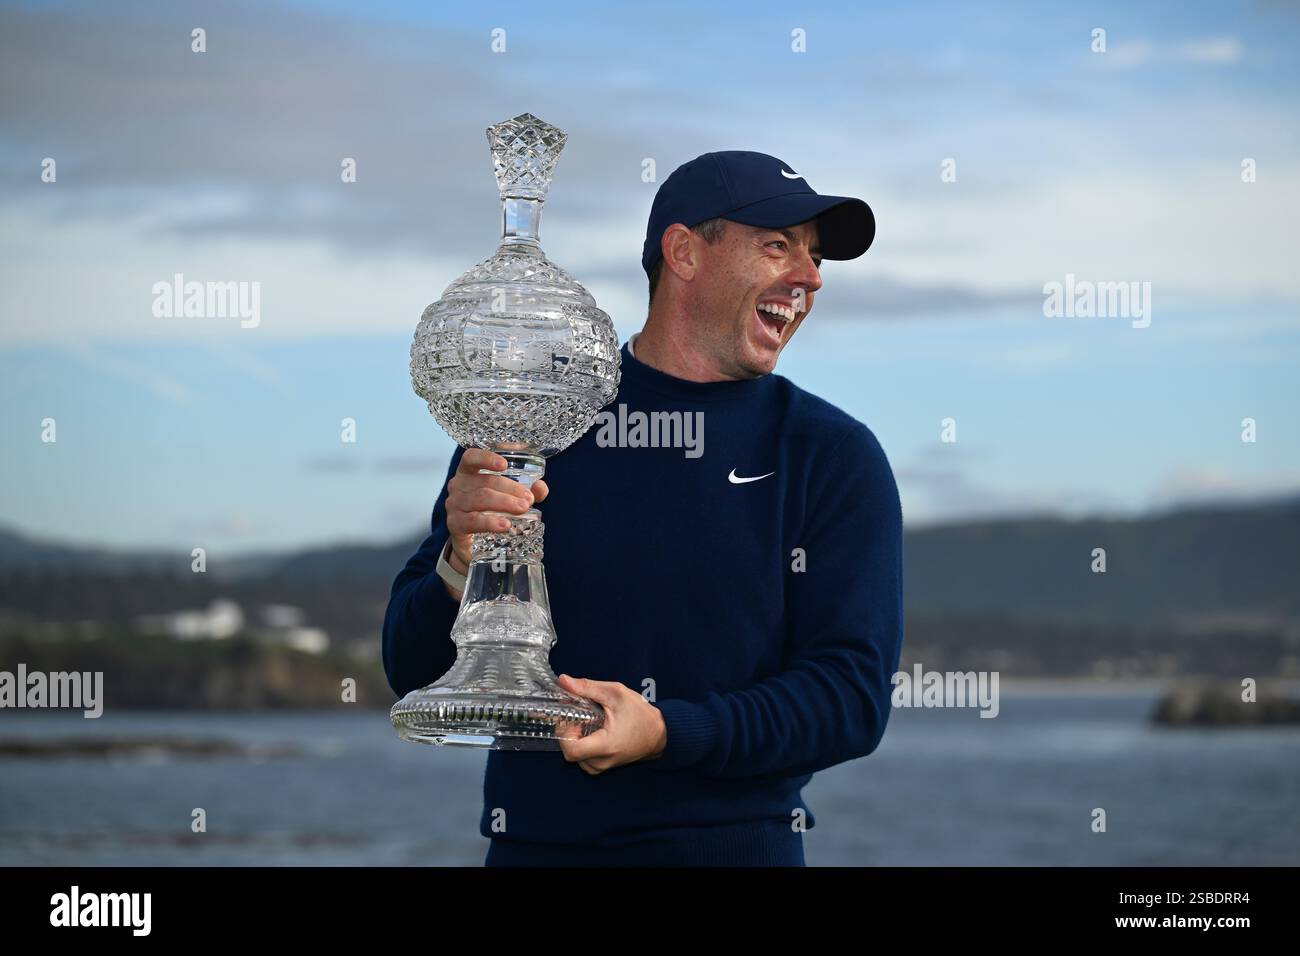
(1069, 686)
(1133, 685)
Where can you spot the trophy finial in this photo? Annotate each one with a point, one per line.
(524, 151)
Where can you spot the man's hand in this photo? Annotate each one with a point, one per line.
(470, 495)
(634, 728)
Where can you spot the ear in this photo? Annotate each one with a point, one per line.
(678, 251)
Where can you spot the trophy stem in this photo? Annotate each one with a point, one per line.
(501, 693)
(521, 218)
(524, 466)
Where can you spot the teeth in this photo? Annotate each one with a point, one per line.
(778, 310)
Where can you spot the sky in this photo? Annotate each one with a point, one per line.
(1117, 166)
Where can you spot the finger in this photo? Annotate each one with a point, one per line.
(476, 458)
(603, 692)
(463, 484)
(475, 522)
(540, 491)
(487, 499)
(567, 746)
(569, 730)
(585, 748)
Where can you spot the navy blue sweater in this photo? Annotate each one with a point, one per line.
(767, 616)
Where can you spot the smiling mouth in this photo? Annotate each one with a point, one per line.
(773, 319)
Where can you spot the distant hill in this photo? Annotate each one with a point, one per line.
(1237, 565)
(1211, 569)
(19, 551)
(355, 561)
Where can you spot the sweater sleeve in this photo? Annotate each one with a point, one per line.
(417, 646)
(844, 638)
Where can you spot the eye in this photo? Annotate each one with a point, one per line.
(777, 242)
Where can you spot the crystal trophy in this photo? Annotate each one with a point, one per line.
(516, 358)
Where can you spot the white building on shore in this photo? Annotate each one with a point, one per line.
(278, 624)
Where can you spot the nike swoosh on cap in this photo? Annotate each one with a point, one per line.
(790, 175)
(740, 481)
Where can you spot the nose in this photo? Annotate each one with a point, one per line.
(804, 272)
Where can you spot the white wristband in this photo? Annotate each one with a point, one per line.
(447, 572)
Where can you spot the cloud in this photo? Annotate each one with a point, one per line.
(404, 518)
(346, 463)
(1213, 485)
(856, 294)
(162, 385)
(411, 465)
(868, 297)
(225, 166)
(246, 140)
(938, 492)
(339, 463)
(937, 487)
(236, 525)
(1212, 50)
(249, 366)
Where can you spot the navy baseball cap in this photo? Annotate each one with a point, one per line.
(758, 190)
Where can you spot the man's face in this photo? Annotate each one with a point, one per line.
(751, 268)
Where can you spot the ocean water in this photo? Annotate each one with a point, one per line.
(945, 787)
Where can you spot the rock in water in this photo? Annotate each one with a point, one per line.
(1220, 704)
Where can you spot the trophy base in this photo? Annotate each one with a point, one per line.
(469, 714)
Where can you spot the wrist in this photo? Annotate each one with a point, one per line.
(456, 561)
(453, 578)
(661, 741)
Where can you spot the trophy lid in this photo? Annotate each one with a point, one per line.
(524, 152)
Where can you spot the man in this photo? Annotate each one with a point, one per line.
(737, 605)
